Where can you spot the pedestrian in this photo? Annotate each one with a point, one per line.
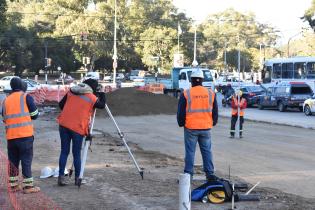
(77, 109)
(242, 106)
(18, 111)
(156, 76)
(198, 113)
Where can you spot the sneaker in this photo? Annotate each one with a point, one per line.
(62, 181)
(231, 137)
(28, 190)
(212, 177)
(76, 181)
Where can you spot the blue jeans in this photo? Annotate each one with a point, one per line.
(21, 150)
(203, 138)
(66, 136)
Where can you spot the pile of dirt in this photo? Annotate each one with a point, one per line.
(132, 102)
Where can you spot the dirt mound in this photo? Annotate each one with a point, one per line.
(132, 102)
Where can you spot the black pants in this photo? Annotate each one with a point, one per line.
(21, 150)
(233, 123)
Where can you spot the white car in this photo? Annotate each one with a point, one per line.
(309, 106)
(92, 75)
(31, 86)
(5, 82)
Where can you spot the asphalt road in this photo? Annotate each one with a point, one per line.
(281, 157)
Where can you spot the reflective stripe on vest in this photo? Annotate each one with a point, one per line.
(17, 125)
(190, 110)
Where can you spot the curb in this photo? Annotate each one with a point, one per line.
(273, 123)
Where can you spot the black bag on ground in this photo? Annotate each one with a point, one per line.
(217, 191)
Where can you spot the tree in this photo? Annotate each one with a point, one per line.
(309, 15)
(3, 8)
(158, 42)
(232, 30)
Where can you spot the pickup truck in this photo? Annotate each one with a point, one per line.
(180, 80)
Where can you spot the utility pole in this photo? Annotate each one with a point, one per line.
(46, 63)
(289, 40)
(195, 63)
(225, 69)
(115, 46)
(239, 88)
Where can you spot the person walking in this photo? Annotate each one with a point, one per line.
(198, 113)
(18, 111)
(77, 109)
(242, 106)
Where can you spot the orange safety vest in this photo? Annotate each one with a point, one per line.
(199, 108)
(16, 116)
(234, 111)
(77, 112)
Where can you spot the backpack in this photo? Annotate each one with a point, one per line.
(217, 191)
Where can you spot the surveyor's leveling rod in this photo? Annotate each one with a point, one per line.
(87, 143)
(121, 135)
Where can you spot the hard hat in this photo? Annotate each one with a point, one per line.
(46, 172)
(197, 73)
(240, 93)
(56, 172)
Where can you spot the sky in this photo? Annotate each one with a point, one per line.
(283, 15)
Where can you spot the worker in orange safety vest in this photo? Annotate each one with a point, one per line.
(198, 113)
(18, 111)
(235, 105)
(77, 109)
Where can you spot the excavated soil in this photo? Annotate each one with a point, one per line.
(132, 102)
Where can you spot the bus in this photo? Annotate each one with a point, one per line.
(299, 69)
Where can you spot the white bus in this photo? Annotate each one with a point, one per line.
(300, 69)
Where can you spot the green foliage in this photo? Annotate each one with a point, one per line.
(3, 8)
(232, 30)
(309, 15)
(146, 35)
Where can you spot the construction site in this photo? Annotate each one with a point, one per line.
(277, 156)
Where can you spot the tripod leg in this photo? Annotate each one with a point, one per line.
(124, 141)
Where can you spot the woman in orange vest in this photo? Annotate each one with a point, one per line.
(198, 113)
(234, 105)
(18, 111)
(77, 108)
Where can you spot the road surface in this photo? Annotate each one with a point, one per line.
(281, 157)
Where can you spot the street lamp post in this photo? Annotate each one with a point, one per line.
(289, 40)
(115, 46)
(46, 63)
(225, 69)
(195, 63)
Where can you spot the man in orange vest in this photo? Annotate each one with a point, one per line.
(242, 105)
(18, 111)
(77, 108)
(198, 113)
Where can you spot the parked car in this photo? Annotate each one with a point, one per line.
(120, 76)
(31, 86)
(67, 80)
(92, 75)
(309, 106)
(284, 95)
(251, 93)
(107, 78)
(223, 81)
(5, 82)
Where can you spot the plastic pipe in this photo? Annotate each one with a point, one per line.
(184, 192)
